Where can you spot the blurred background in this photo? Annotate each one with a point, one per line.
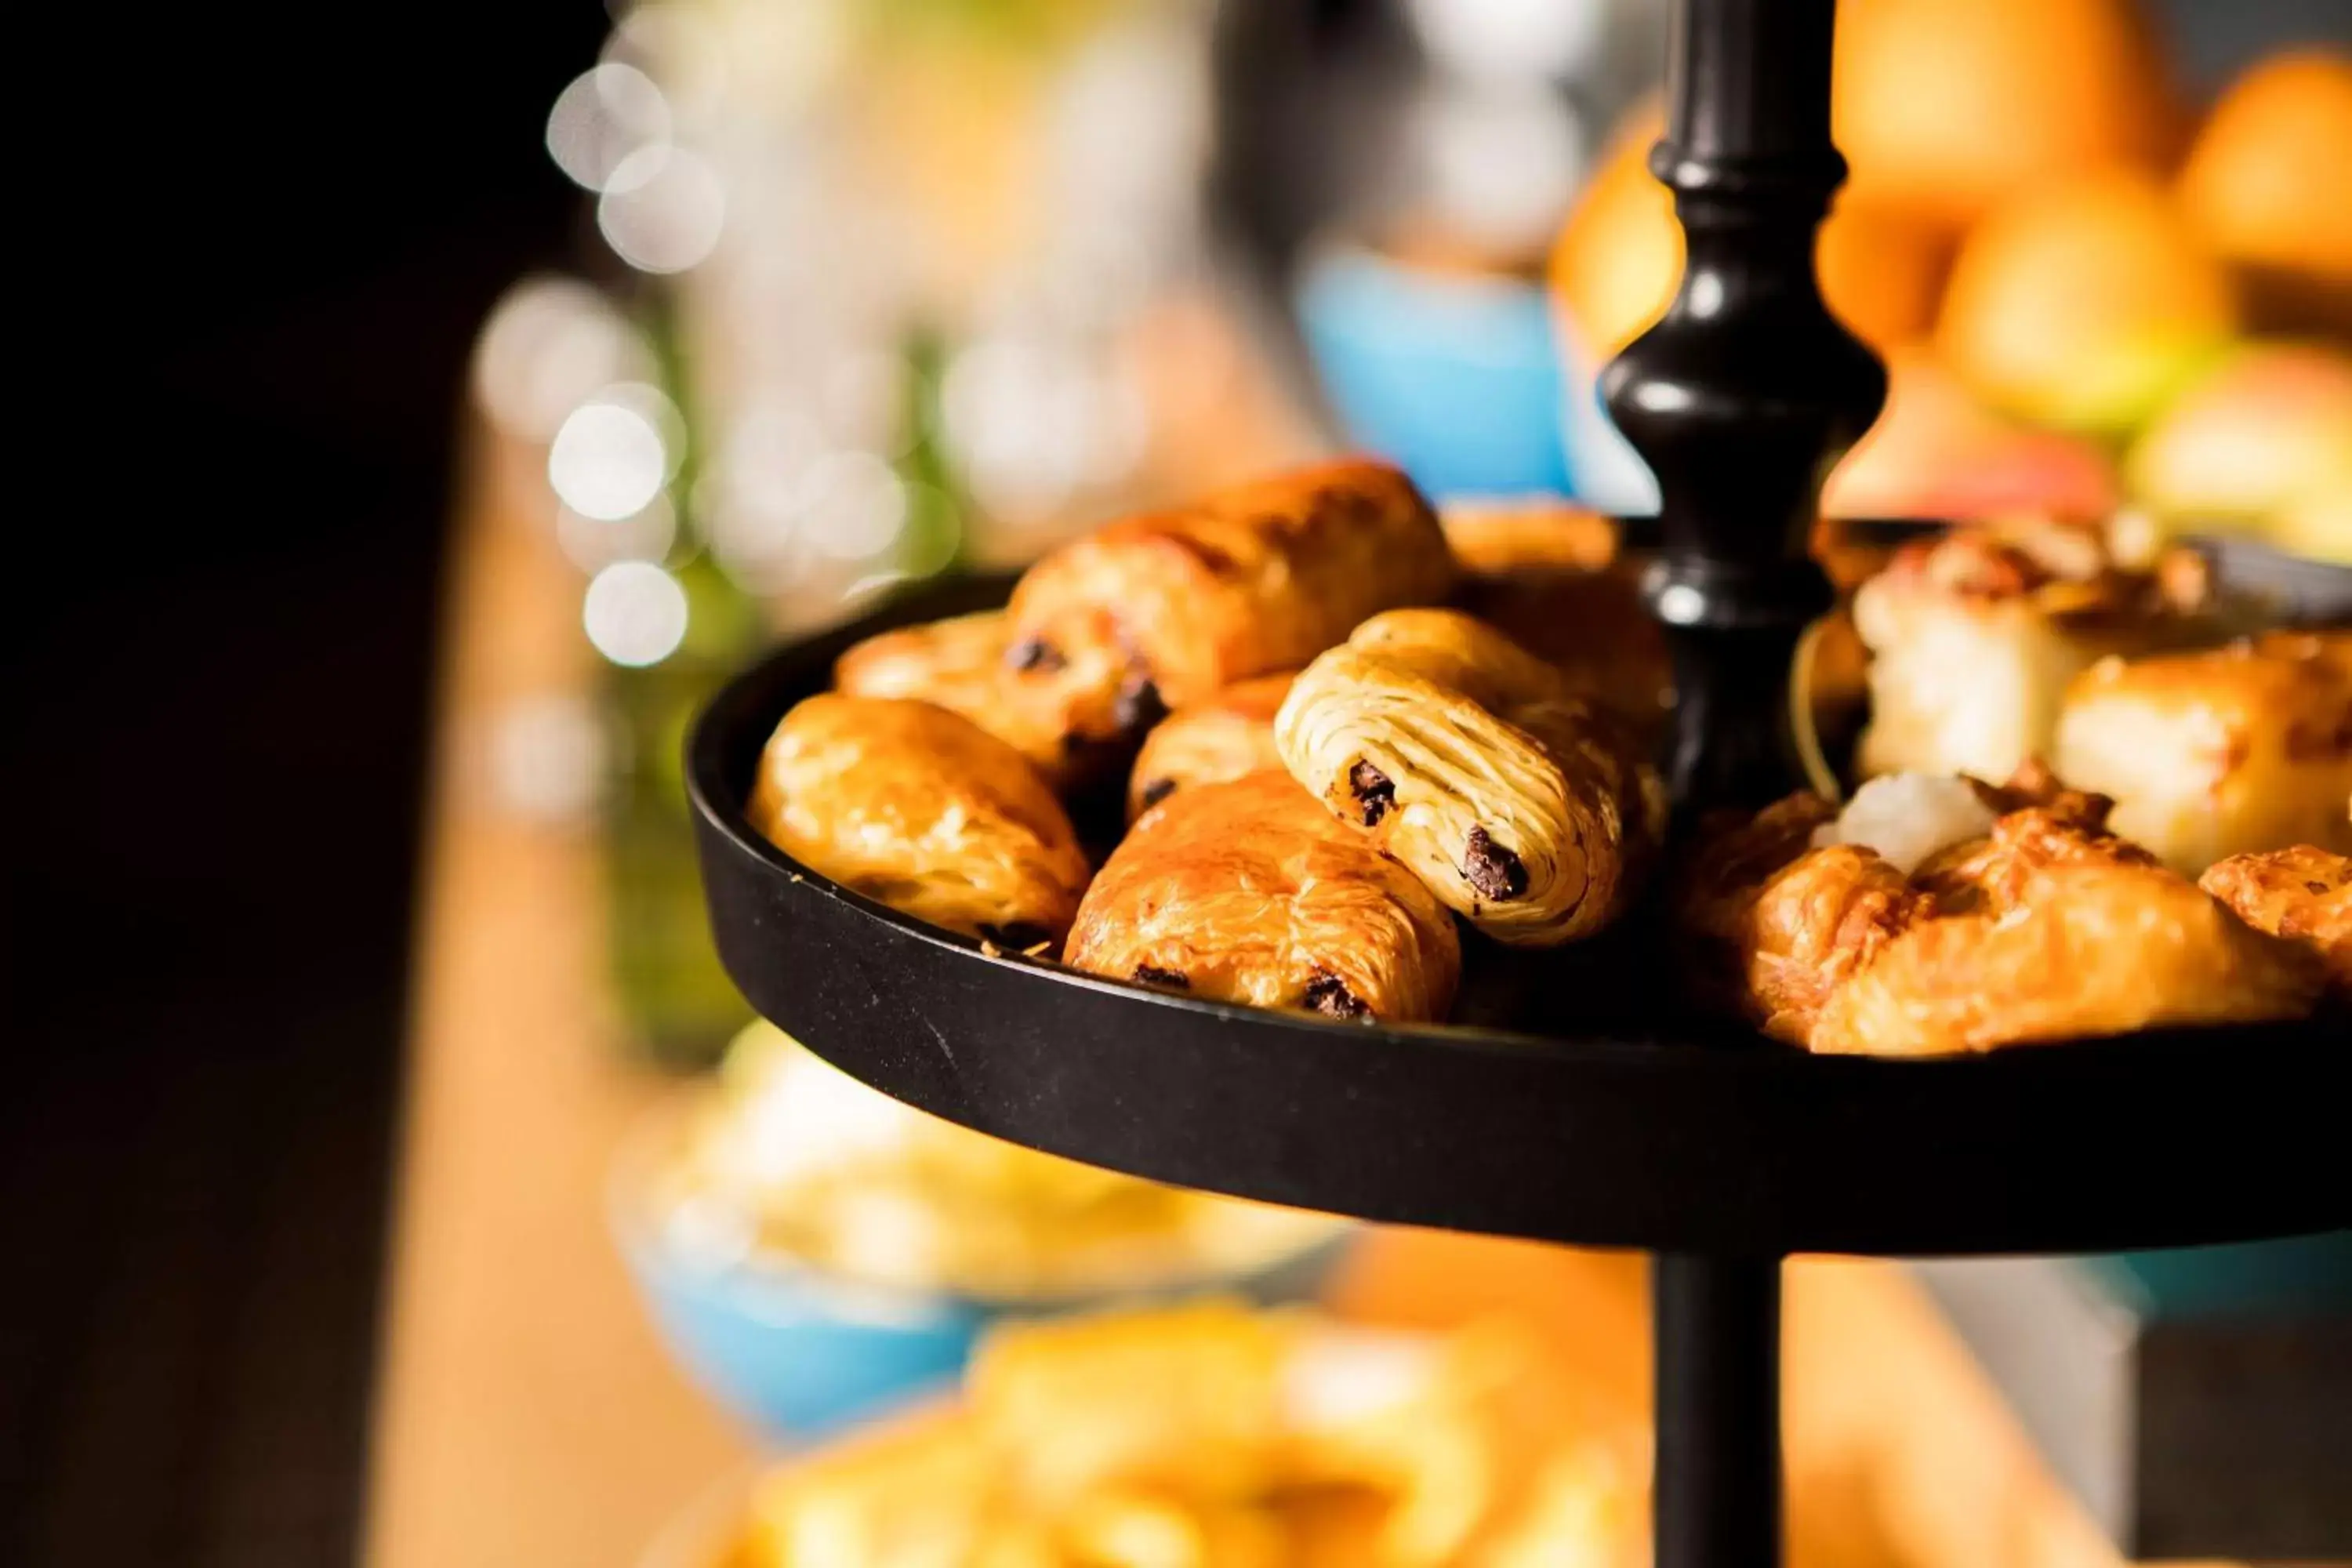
(435, 412)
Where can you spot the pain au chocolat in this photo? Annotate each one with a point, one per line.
(1247, 890)
(1526, 808)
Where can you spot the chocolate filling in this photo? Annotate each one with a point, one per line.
(1494, 870)
(2314, 887)
(1329, 996)
(1018, 936)
(1374, 790)
(1157, 791)
(1152, 976)
(1138, 706)
(1033, 654)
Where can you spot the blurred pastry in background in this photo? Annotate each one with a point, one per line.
(1937, 451)
(1974, 637)
(2267, 436)
(2212, 754)
(1210, 1436)
(1246, 582)
(1619, 258)
(1064, 715)
(1500, 539)
(2085, 304)
(1229, 736)
(2302, 893)
(1248, 892)
(2267, 185)
(923, 810)
(796, 1164)
(1946, 109)
(1528, 809)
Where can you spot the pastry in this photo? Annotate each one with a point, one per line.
(1230, 735)
(1938, 914)
(1524, 808)
(1974, 637)
(923, 810)
(2218, 753)
(1182, 604)
(1248, 892)
(2303, 894)
(1069, 717)
(1502, 539)
(2067, 936)
(1779, 923)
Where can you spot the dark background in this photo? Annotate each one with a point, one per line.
(258, 276)
(252, 250)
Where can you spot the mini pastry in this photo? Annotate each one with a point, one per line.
(923, 810)
(1975, 636)
(1250, 581)
(2212, 754)
(1938, 914)
(1502, 539)
(1525, 807)
(1779, 923)
(1065, 715)
(2303, 894)
(2068, 936)
(1248, 892)
(1227, 737)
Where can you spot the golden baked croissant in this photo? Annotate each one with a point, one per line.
(2212, 754)
(1974, 637)
(1070, 716)
(1245, 583)
(1526, 808)
(1227, 737)
(921, 809)
(1248, 892)
(2304, 893)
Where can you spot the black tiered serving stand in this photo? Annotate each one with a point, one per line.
(1625, 1121)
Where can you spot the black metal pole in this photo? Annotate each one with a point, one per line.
(1716, 1495)
(1740, 398)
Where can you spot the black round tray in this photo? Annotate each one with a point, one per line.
(1624, 1123)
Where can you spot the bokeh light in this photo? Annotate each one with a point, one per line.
(550, 343)
(664, 209)
(608, 461)
(605, 127)
(634, 613)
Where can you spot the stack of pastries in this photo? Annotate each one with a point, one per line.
(1338, 730)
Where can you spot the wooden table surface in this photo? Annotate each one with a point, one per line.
(526, 1414)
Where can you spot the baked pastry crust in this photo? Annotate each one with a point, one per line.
(2302, 893)
(1071, 716)
(1229, 736)
(1248, 892)
(1975, 636)
(2047, 927)
(1526, 808)
(1779, 925)
(2227, 752)
(1500, 539)
(921, 809)
(1247, 582)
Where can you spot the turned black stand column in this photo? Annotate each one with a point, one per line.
(1740, 399)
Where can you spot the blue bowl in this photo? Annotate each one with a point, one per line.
(799, 1352)
(1455, 377)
